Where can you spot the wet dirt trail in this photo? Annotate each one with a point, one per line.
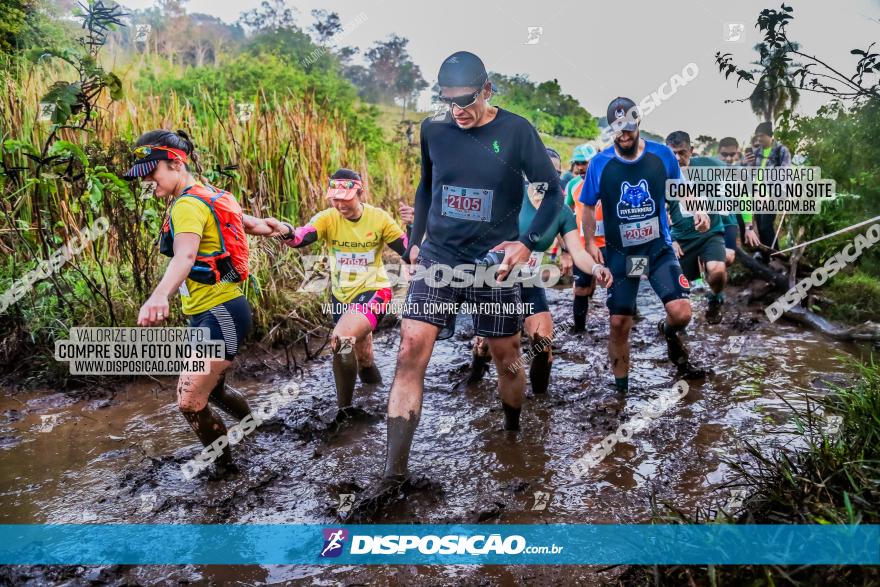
(118, 460)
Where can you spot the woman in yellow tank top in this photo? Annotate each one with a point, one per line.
(206, 280)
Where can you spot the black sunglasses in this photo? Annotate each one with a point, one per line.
(461, 101)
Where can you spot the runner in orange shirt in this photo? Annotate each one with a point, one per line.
(584, 286)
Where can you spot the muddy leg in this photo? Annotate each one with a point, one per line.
(479, 360)
(618, 349)
(678, 315)
(229, 400)
(367, 370)
(405, 400)
(344, 369)
(511, 380)
(716, 276)
(192, 399)
(581, 306)
(350, 328)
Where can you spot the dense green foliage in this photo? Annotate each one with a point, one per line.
(27, 24)
(843, 142)
(545, 105)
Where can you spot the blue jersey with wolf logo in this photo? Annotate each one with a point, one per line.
(633, 195)
(635, 201)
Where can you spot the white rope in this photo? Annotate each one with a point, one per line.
(835, 233)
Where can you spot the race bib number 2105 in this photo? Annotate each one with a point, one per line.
(467, 203)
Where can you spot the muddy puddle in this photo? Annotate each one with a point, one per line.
(118, 460)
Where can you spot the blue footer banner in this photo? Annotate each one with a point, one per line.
(554, 544)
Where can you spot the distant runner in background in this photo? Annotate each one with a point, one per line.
(558, 251)
(729, 153)
(577, 167)
(768, 153)
(538, 325)
(583, 282)
(692, 247)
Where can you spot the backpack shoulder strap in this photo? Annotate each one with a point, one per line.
(209, 202)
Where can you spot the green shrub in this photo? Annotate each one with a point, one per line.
(856, 298)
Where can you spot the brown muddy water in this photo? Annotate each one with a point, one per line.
(118, 460)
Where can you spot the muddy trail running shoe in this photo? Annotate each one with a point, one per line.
(713, 312)
(678, 354)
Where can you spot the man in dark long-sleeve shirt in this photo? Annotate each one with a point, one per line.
(467, 204)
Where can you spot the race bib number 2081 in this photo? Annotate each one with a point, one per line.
(467, 203)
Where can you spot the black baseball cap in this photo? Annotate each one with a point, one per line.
(623, 114)
(462, 69)
(344, 173)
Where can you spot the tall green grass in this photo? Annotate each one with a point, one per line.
(276, 163)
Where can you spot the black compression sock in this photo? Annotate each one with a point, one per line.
(676, 350)
(539, 370)
(229, 400)
(399, 441)
(581, 308)
(621, 383)
(511, 417)
(370, 375)
(671, 331)
(344, 373)
(208, 427)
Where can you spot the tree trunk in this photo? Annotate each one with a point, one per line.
(779, 282)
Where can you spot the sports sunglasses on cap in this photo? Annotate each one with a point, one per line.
(145, 151)
(345, 184)
(147, 158)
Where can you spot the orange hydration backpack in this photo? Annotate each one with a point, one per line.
(230, 263)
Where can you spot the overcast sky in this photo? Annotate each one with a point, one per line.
(599, 50)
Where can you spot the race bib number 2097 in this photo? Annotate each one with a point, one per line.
(467, 203)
